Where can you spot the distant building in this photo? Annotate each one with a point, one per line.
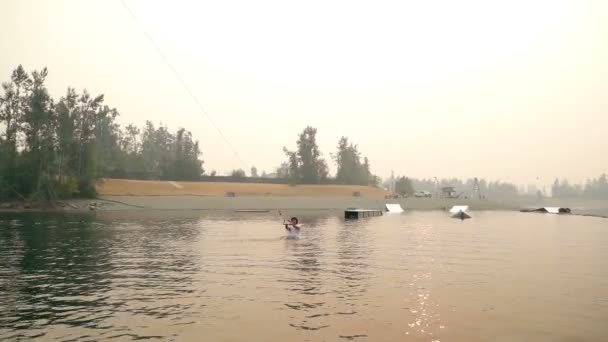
(448, 192)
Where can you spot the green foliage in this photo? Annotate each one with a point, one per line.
(404, 186)
(187, 164)
(306, 165)
(62, 149)
(350, 168)
(156, 153)
(238, 173)
(86, 188)
(67, 189)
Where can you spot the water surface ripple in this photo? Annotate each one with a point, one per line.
(218, 276)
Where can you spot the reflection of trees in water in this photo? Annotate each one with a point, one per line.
(160, 263)
(54, 261)
(75, 271)
(157, 258)
(11, 253)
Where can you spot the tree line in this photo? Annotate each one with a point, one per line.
(306, 165)
(465, 188)
(53, 149)
(595, 188)
(58, 149)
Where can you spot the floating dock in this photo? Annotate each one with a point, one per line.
(361, 213)
(548, 210)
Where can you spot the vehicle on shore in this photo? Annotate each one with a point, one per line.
(422, 194)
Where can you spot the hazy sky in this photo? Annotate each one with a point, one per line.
(509, 90)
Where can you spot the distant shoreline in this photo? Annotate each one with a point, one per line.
(137, 195)
(178, 203)
(187, 202)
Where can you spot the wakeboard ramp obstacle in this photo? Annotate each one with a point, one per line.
(355, 213)
(460, 212)
(548, 210)
(393, 208)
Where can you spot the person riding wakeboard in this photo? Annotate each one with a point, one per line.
(293, 228)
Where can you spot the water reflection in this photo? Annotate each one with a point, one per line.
(424, 319)
(306, 265)
(304, 258)
(220, 276)
(353, 256)
(73, 271)
(62, 262)
(154, 270)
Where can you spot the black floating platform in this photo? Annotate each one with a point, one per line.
(361, 213)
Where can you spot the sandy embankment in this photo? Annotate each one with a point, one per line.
(115, 194)
(161, 195)
(122, 187)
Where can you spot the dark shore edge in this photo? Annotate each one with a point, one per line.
(258, 203)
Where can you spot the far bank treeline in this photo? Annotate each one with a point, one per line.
(58, 149)
(52, 149)
(306, 165)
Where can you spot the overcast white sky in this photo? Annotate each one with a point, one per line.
(510, 90)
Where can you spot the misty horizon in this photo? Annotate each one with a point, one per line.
(423, 93)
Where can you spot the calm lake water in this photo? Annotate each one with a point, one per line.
(219, 276)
